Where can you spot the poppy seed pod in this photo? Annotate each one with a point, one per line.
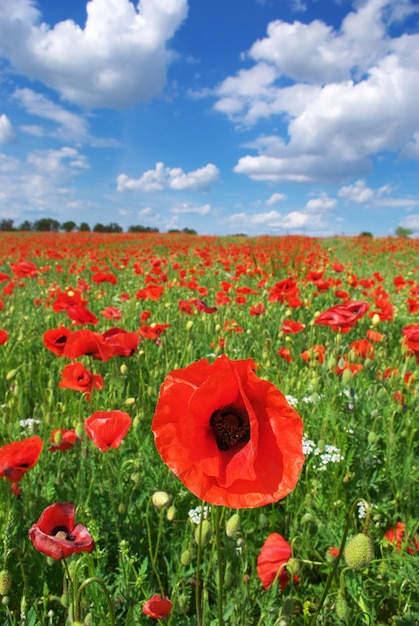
(359, 551)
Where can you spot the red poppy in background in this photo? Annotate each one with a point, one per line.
(75, 376)
(185, 307)
(56, 339)
(273, 557)
(3, 336)
(104, 277)
(57, 535)
(152, 332)
(121, 342)
(68, 298)
(86, 342)
(411, 339)
(62, 439)
(315, 353)
(396, 535)
(285, 354)
(157, 607)
(80, 315)
(112, 313)
(342, 317)
(363, 348)
(291, 327)
(152, 292)
(18, 457)
(229, 436)
(204, 308)
(374, 335)
(24, 268)
(257, 309)
(107, 429)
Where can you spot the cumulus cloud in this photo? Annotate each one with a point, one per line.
(175, 178)
(359, 193)
(187, 208)
(118, 58)
(344, 95)
(276, 198)
(7, 133)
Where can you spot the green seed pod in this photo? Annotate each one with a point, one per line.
(292, 566)
(5, 582)
(186, 557)
(359, 551)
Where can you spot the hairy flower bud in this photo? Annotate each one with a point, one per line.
(359, 551)
(233, 525)
(205, 534)
(160, 499)
(5, 582)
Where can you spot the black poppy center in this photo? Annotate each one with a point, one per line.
(61, 532)
(231, 426)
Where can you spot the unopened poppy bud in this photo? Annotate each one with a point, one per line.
(233, 525)
(5, 582)
(292, 566)
(203, 533)
(58, 437)
(189, 325)
(122, 508)
(5, 600)
(160, 499)
(64, 600)
(372, 437)
(129, 401)
(79, 430)
(331, 363)
(342, 610)
(171, 513)
(359, 551)
(346, 377)
(11, 374)
(263, 520)
(375, 319)
(123, 369)
(186, 557)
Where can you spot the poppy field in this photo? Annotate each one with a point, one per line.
(208, 430)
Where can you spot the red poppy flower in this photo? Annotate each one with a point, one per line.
(24, 268)
(112, 313)
(343, 317)
(18, 457)
(285, 354)
(152, 292)
(120, 342)
(201, 306)
(76, 376)
(273, 557)
(80, 315)
(56, 339)
(152, 332)
(363, 348)
(229, 436)
(257, 309)
(396, 535)
(104, 277)
(107, 429)
(411, 339)
(157, 607)
(57, 535)
(374, 335)
(289, 326)
(62, 439)
(315, 353)
(3, 336)
(68, 298)
(86, 342)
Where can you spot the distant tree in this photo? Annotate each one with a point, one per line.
(6, 224)
(113, 227)
(142, 229)
(401, 231)
(189, 231)
(365, 233)
(68, 226)
(84, 227)
(173, 230)
(26, 225)
(99, 228)
(46, 224)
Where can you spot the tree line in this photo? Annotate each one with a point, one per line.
(47, 224)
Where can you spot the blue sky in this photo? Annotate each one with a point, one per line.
(226, 116)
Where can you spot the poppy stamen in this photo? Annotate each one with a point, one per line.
(61, 532)
(231, 426)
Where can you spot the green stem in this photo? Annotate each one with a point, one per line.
(219, 512)
(336, 563)
(80, 590)
(71, 592)
(198, 566)
(153, 554)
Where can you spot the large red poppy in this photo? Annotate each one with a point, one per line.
(342, 317)
(76, 376)
(55, 339)
(157, 607)
(86, 342)
(57, 535)
(229, 436)
(273, 557)
(121, 342)
(107, 429)
(18, 457)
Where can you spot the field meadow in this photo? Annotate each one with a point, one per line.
(204, 431)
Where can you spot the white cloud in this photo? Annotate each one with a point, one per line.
(359, 193)
(186, 208)
(7, 133)
(276, 198)
(118, 58)
(58, 161)
(352, 95)
(321, 204)
(162, 178)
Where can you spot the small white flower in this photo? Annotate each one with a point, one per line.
(29, 423)
(291, 400)
(195, 514)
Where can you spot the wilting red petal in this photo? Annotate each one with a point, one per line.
(229, 436)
